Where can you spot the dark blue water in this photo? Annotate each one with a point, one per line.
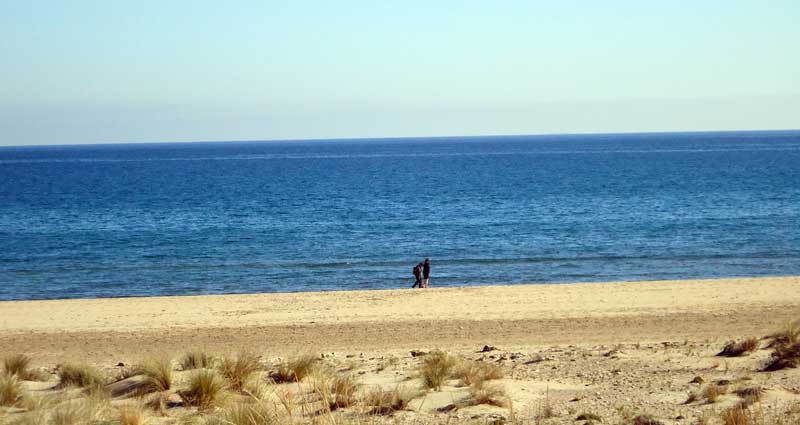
(199, 218)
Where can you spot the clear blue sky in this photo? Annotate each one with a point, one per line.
(114, 71)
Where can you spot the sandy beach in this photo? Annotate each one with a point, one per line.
(581, 347)
(520, 315)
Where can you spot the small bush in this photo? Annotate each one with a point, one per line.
(83, 376)
(205, 389)
(197, 360)
(238, 370)
(10, 390)
(435, 369)
(295, 370)
(385, 402)
(752, 393)
(490, 394)
(736, 349)
(18, 365)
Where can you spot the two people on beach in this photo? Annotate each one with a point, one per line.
(422, 274)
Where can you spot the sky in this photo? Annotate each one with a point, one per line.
(76, 72)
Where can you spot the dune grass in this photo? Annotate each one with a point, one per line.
(79, 375)
(471, 372)
(385, 402)
(295, 369)
(248, 414)
(435, 369)
(337, 391)
(19, 365)
(713, 392)
(205, 389)
(739, 348)
(158, 374)
(784, 356)
(789, 335)
(10, 390)
(238, 369)
(197, 360)
(488, 394)
(131, 414)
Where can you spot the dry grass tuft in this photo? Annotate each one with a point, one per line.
(336, 392)
(248, 414)
(646, 420)
(131, 414)
(490, 394)
(751, 394)
(789, 335)
(385, 402)
(736, 349)
(590, 417)
(197, 360)
(737, 415)
(436, 368)
(10, 390)
(83, 376)
(85, 411)
(205, 389)
(17, 365)
(784, 356)
(471, 372)
(158, 373)
(295, 370)
(713, 392)
(237, 370)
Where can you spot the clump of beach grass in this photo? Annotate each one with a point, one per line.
(338, 391)
(197, 360)
(18, 365)
(10, 390)
(784, 356)
(489, 394)
(750, 395)
(131, 414)
(713, 392)
(83, 411)
(471, 372)
(646, 419)
(295, 370)
(157, 373)
(258, 413)
(738, 415)
(79, 375)
(205, 389)
(589, 417)
(238, 369)
(789, 335)
(739, 348)
(436, 367)
(385, 402)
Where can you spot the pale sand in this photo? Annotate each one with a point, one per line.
(105, 330)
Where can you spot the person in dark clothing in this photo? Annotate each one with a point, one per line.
(417, 275)
(426, 272)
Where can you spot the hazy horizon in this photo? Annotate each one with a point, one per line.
(94, 72)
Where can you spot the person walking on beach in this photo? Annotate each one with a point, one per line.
(417, 276)
(426, 273)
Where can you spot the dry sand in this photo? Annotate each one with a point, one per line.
(614, 349)
(105, 330)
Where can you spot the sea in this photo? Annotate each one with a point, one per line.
(123, 220)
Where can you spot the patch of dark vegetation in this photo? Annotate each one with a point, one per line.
(740, 348)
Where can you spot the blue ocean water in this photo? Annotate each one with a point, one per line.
(242, 217)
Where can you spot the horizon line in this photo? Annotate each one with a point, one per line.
(389, 138)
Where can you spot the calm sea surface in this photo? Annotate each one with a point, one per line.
(201, 218)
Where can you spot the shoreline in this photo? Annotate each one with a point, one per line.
(377, 320)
